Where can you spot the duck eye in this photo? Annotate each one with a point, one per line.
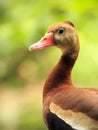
(60, 30)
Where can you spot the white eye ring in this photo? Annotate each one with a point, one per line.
(60, 30)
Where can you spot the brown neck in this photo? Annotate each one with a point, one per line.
(61, 74)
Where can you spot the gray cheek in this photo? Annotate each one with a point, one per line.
(59, 39)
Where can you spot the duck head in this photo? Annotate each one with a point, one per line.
(63, 35)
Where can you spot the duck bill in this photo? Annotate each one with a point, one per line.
(46, 41)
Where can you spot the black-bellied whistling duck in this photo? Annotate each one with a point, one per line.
(66, 107)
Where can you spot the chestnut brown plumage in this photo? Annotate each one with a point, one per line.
(66, 107)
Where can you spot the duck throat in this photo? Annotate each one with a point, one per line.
(60, 75)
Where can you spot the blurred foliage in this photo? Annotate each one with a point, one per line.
(24, 22)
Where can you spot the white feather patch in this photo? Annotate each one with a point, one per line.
(76, 120)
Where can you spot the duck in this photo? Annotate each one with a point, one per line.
(66, 106)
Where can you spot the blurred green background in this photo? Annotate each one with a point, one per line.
(22, 73)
